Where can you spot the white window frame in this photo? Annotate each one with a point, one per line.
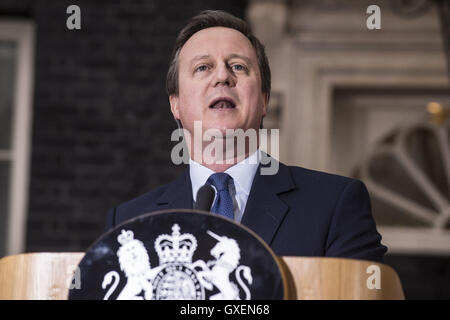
(22, 33)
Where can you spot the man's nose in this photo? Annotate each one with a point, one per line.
(224, 76)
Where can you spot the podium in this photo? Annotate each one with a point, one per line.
(47, 276)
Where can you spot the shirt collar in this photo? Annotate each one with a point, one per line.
(242, 173)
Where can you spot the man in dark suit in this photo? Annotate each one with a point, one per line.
(220, 77)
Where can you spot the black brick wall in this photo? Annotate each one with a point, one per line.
(102, 122)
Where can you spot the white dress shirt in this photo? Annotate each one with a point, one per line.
(242, 173)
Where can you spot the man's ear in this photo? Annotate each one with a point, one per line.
(175, 106)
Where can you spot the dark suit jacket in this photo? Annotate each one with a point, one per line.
(298, 212)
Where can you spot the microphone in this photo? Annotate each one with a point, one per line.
(205, 198)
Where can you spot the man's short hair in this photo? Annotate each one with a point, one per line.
(216, 18)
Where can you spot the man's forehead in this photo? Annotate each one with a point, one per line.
(227, 57)
(207, 42)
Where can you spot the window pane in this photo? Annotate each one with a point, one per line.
(7, 67)
(4, 184)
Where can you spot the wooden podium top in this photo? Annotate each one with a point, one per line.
(317, 278)
(37, 276)
(42, 276)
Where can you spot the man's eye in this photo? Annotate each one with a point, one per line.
(238, 67)
(201, 68)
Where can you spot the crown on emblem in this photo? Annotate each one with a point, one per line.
(177, 248)
(125, 237)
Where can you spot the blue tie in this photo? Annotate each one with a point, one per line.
(223, 204)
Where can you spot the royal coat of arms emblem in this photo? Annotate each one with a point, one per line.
(179, 254)
(177, 276)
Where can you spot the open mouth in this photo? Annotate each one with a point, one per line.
(222, 103)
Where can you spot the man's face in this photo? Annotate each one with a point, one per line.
(219, 82)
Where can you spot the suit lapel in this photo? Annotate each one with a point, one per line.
(265, 210)
(178, 194)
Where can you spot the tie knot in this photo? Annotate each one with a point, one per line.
(219, 180)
